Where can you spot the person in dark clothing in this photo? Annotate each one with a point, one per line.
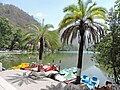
(107, 86)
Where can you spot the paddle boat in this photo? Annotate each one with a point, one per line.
(49, 67)
(22, 65)
(34, 66)
(70, 76)
(90, 82)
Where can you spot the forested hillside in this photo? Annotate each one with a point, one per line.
(15, 15)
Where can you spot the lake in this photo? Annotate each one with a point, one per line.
(65, 59)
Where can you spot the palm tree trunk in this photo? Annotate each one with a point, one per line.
(80, 55)
(40, 53)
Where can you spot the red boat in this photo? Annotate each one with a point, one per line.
(49, 67)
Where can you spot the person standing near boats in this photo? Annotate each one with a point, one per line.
(107, 86)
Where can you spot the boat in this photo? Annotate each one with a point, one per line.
(34, 67)
(49, 67)
(45, 68)
(68, 70)
(70, 76)
(90, 82)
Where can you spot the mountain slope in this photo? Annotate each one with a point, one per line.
(16, 16)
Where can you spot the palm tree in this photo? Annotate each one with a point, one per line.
(41, 34)
(79, 20)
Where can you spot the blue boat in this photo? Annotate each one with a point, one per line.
(90, 82)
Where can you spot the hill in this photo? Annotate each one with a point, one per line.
(16, 16)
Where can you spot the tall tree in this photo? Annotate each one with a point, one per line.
(41, 34)
(80, 21)
(16, 40)
(109, 47)
(109, 54)
(6, 33)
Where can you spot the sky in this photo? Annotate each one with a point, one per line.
(50, 10)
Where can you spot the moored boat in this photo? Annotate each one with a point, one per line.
(34, 67)
(70, 76)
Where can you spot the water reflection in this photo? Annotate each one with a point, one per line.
(89, 67)
(95, 71)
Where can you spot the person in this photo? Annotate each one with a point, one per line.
(55, 75)
(107, 86)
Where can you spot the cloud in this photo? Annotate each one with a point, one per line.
(39, 15)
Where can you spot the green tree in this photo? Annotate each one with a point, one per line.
(109, 47)
(5, 33)
(41, 34)
(79, 20)
(15, 43)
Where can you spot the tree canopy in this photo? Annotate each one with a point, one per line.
(109, 47)
(6, 33)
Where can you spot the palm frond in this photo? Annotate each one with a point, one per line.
(87, 3)
(100, 9)
(96, 13)
(99, 16)
(99, 29)
(81, 7)
(85, 15)
(51, 39)
(93, 33)
(101, 24)
(70, 8)
(74, 34)
(90, 7)
(67, 33)
(46, 28)
(90, 18)
(63, 25)
(33, 27)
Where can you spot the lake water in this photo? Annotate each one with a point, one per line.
(64, 59)
(88, 67)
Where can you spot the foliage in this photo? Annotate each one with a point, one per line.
(42, 37)
(18, 19)
(38, 31)
(76, 14)
(80, 22)
(108, 48)
(5, 33)
(17, 39)
(16, 16)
